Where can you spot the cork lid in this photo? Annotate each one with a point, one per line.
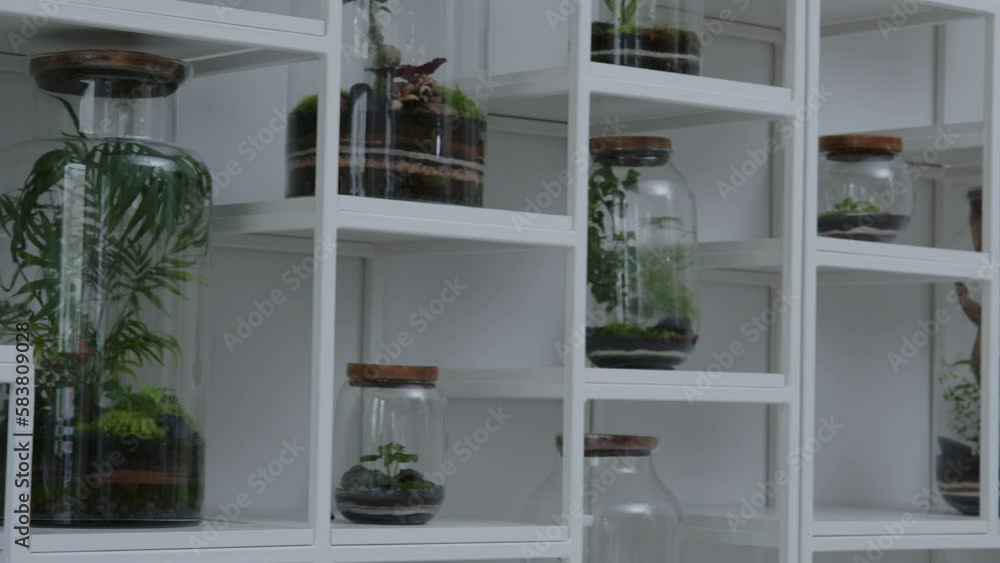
(601, 144)
(610, 445)
(108, 73)
(861, 143)
(378, 372)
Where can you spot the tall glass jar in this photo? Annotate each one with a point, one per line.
(390, 435)
(630, 516)
(413, 108)
(652, 34)
(640, 250)
(107, 225)
(864, 189)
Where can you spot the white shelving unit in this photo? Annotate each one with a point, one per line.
(566, 102)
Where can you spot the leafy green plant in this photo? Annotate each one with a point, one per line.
(853, 206)
(392, 475)
(310, 104)
(623, 12)
(139, 413)
(463, 104)
(962, 392)
(100, 229)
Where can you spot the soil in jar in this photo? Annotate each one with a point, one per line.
(655, 48)
(957, 471)
(300, 149)
(664, 346)
(428, 152)
(874, 227)
(370, 496)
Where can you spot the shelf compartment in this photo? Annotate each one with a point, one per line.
(958, 148)
(686, 386)
(541, 383)
(896, 263)
(392, 222)
(444, 530)
(650, 99)
(862, 521)
(240, 534)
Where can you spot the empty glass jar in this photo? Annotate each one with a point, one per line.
(653, 34)
(864, 189)
(630, 516)
(641, 242)
(390, 437)
(413, 108)
(107, 223)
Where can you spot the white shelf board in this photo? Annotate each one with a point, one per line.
(683, 378)
(865, 262)
(862, 521)
(443, 530)
(467, 551)
(687, 387)
(540, 383)
(394, 223)
(193, 35)
(646, 99)
(761, 255)
(240, 534)
(727, 525)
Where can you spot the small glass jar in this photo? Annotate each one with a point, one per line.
(390, 435)
(109, 221)
(630, 516)
(653, 34)
(864, 189)
(413, 105)
(641, 238)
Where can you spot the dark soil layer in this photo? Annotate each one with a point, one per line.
(656, 48)
(957, 471)
(875, 227)
(422, 154)
(300, 149)
(93, 480)
(636, 351)
(389, 506)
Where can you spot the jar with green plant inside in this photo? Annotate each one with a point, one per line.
(107, 224)
(413, 114)
(641, 238)
(652, 34)
(958, 461)
(864, 190)
(390, 445)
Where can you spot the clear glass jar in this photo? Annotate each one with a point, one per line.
(630, 516)
(390, 435)
(107, 224)
(864, 189)
(640, 256)
(652, 34)
(413, 107)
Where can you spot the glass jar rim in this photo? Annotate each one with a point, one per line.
(132, 74)
(614, 445)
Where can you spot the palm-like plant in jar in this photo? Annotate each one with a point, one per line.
(106, 224)
(641, 239)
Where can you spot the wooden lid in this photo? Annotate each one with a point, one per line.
(377, 372)
(879, 143)
(601, 144)
(124, 74)
(607, 445)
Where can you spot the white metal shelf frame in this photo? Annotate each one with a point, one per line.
(840, 531)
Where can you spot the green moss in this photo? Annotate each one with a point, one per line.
(130, 423)
(310, 104)
(853, 206)
(135, 413)
(622, 329)
(457, 100)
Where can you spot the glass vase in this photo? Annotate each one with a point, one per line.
(652, 34)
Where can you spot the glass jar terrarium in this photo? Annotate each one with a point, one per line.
(653, 34)
(391, 437)
(413, 108)
(630, 516)
(864, 191)
(107, 226)
(641, 241)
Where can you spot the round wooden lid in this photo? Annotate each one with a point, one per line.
(601, 144)
(124, 74)
(879, 143)
(607, 445)
(377, 372)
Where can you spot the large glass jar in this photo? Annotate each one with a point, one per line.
(641, 237)
(652, 34)
(630, 516)
(864, 190)
(390, 437)
(107, 225)
(413, 108)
